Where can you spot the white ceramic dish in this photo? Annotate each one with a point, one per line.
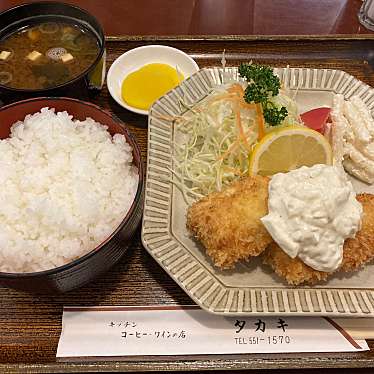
(252, 288)
(135, 58)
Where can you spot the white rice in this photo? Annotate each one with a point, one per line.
(65, 186)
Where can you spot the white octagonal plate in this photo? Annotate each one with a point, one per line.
(251, 288)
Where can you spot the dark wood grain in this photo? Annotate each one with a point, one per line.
(222, 17)
(30, 324)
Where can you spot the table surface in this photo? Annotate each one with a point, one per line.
(33, 340)
(222, 17)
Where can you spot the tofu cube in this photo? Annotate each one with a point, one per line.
(33, 56)
(66, 57)
(4, 55)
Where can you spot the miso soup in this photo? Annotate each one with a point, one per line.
(46, 55)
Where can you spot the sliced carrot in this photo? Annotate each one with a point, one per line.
(229, 150)
(236, 96)
(236, 88)
(260, 122)
(246, 105)
(234, 93)
(238, 119)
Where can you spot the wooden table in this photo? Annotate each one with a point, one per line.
(222, 17)
(30, 324)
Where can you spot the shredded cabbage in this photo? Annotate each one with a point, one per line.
(215, 138)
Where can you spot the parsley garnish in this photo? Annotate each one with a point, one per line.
(262, 85)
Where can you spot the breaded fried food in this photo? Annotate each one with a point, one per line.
(228, 223)
(293, 270)
(360, 250)
(356, 252)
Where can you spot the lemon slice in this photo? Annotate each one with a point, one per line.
(287, 149)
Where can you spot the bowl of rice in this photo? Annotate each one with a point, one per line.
(71, 193)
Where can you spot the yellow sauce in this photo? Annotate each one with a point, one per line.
(143, 87)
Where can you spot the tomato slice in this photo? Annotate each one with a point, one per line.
(316, 118)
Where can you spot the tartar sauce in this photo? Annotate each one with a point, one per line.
(353, 137)
(312, 210)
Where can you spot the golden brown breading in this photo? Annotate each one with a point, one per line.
(360, 250)
(293, 270)
(356, 252)
(228, 222)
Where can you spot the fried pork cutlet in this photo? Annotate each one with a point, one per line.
(356, 252)
(228, 222)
